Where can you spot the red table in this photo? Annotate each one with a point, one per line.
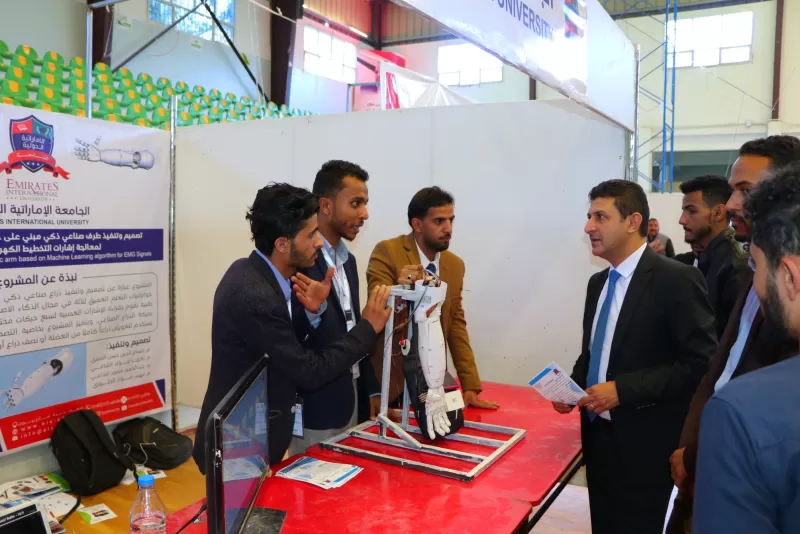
(385, 498)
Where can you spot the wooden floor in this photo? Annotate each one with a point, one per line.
(569, 514)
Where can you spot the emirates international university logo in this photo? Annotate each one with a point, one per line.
(32, 142)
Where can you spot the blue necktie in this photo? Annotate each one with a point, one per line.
(596, 352)
(432, 267)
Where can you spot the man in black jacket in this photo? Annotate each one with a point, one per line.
(353, 396)
(648, 332)
(706, 226)
(253, 316)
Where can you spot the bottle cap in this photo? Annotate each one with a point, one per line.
(146, 481)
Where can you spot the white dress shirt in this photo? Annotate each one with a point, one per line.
(625, 269)
(425, 261)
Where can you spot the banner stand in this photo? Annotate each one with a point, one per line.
(173, 127)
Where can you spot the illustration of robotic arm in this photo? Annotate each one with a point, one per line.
(118, 158)
(426, 299)
(37, 379)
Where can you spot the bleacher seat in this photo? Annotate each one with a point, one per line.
(141, 121)
(108, 107)
(153, 101)
(27, 51)
(185, 119)
(75, 63)
(205, 119)
(186, 99)
(54, 57)
(52, 81)
(48, 100)
(196, 109)
(199, 90)
(104, 92)
(52, 68)
(77, 104)
(163, 83)
(131, 96)
(231, 116)
(101, 68)
(206, 101)
(147, 88)
(143, 78)
(20, 76)
(225, 104)
(12, 92)
(214, 94)
(101, 79)
(4, 53)
(167, 93)
(215, 113)
(123, 74)
(159, 116)
(76, 85)
(125, 84)
(181, 87)
(133, 111)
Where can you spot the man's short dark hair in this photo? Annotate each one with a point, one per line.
(629, 198)
(774, 209)
(781, 149)
(280, 210)
(330, 178)
(652, 219)
(425, 199)
(715, 189)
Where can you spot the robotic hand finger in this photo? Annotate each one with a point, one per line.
(436, 409)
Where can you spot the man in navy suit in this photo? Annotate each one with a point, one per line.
(354, 395)
(648, 332)
(253, 316)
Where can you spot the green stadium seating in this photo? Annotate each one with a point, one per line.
(21, 76)
(140, 121)
(206, 101)
(196, 109)
(77, 104)
(123, 74)
(75, 63)
(76, 85)
(185, 119)
(214, 94)
(167, 93)
(199, 90)
(215, 113)
(23, 62)
(134, 111)
(131, 96)
(205, 119)
(104, 92)
(231, 116)
(230, 96)
(108, 107)
(125, 84)
(48, 99)
(52, 68)
(52, 81)
(159, 117)
(153, 101)
(4, 53)
(27, 51)
(147, 89)
(163, 83)
(54, 57)
(143, 78)
(101, 68)
(181, 87)
(13, 92)
(186, 99)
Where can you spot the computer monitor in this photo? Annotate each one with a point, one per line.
(237, 456)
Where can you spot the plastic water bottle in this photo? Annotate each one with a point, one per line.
(148, 513)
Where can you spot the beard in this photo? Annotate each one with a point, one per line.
(435, 245)
(298, 260)
(699, 234)
(775, 316)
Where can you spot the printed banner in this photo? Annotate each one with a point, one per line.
(84, 311)
(402, 88)
(547, 39)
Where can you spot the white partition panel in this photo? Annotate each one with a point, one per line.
(520, 174)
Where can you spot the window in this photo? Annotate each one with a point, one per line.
(198, 23)
(466, 64)
(327, 56)
(710, 41)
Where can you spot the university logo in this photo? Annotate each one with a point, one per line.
(32, 142)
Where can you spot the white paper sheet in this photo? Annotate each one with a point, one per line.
(325, 475)
(556, 385)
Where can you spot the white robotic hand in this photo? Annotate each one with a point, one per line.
(436, 409)
(14, 394)
(142, 159)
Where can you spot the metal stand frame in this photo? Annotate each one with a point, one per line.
(403, 431)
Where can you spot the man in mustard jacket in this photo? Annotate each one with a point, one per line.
(401, 261)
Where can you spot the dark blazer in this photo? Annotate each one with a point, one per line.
(663, 340)
(332, 405)
(765, 346)
(721, 262)
(250, 320)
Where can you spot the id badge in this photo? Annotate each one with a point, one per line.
(297, 431)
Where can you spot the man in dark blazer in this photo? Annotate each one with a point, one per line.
(748, 342)
(340, 404)
(706, 224)
(648, 332)
(253, 309)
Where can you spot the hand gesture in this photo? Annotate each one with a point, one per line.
(377, 310)
(410, 274)
(562, 408)
(311, 293)
(657, 247)
(600, 398)
(471, 399)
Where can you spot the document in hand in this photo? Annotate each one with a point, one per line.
(556, 386)
(325, 475)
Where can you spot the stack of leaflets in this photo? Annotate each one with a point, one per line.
(16, 495)
(325, 475)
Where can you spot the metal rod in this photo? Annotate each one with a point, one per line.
(276, 13)
(662, 178)
(651, 51)
(173, 127)
(555, 493)
(465, 438)
(89, 31)
(235, 50)
(155, 38)
(438, 451)
(386, 423)
(388, 331)
(406, 404)
(104, 3)
(672, 99)
(486, 427)
(637, 52)
(401, 462)
(492, 458)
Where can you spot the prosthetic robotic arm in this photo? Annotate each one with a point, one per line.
(38, 379)
(118, 158)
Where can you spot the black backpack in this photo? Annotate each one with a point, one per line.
(150, 442)
(89, 459)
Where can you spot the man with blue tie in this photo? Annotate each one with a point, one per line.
(401, 260)
(648, 333)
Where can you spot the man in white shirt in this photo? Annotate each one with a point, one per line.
(648, 332)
